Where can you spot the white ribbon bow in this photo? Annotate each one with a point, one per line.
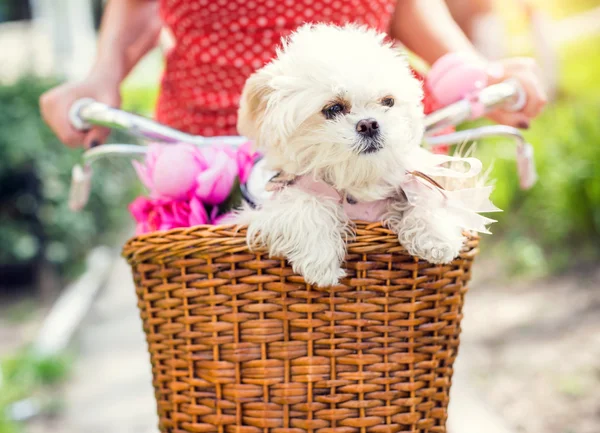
(461, 205)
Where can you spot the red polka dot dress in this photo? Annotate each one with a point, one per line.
(219, 43)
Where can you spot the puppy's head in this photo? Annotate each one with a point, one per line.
(338, 102)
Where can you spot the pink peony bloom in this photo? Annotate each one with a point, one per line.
(142, 210)
(145, 170)
(169, 170)
(174, 170)
(227, 218)
(215, 181)
(245, 160)
(159, 214)
(184, 181)
(216, 219)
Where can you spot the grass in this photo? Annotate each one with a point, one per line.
(23, 375)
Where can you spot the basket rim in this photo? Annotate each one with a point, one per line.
(231, 238)
(234, 233)
(233, 230)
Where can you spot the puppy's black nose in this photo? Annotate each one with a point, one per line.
(368, 127)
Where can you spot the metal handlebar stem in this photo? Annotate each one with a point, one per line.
(87, 112)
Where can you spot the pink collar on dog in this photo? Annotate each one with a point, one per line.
(364, 211)
(461, 203)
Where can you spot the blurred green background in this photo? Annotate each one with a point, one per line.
(556, 225)
(36, 226)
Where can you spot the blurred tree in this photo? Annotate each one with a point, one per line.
(14, 10)
(556, 224)
(36, 226)
(70, 26)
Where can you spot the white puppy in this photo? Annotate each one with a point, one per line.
(335, 113)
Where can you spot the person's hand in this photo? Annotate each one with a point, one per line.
(55, 105)
(524, 70)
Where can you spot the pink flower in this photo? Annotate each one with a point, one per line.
(245, 160)
(215, 181)
(159, 214)
(174, 170)
(216, 219)
(169, 170)
(223, 219)
(197, 213)
(142, 211)
(145, 170)
(184, 181)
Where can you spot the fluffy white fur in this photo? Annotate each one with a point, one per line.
(282, 107)
(437, 240)
(308, 231)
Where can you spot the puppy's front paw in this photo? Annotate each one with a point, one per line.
(320, 273)
(305, 230)
(442, 253)
(428, 236)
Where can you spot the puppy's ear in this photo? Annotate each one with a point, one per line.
(253, 105)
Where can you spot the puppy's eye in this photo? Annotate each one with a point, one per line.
(387, 102)
(333, 110)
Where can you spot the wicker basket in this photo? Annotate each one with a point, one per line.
(240, 344)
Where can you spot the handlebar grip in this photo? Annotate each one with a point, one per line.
(75, 116)
(520, 99)
(81, 185)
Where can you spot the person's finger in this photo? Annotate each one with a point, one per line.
(536, 96)
(54, 111)
(98, 135)
(63, 129)
(95, 137)
(72, 139)
(518, 120)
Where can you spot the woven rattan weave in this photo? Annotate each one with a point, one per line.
(240, 344)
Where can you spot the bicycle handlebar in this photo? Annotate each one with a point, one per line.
(87, 112)
(509, 92)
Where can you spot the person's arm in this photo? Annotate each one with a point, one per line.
(427, 28)
(130, 28)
